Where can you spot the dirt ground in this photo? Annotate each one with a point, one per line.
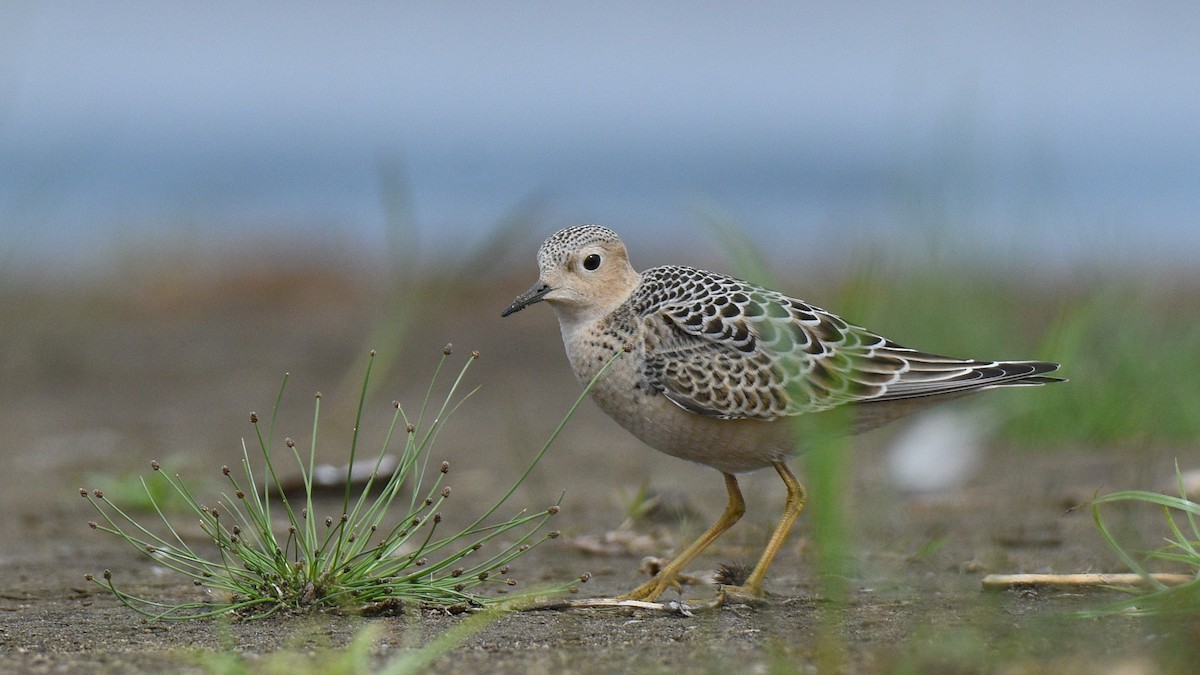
(95, 385)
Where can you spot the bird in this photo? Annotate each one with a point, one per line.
(710, 368)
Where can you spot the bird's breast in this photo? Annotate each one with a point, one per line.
(623, 393)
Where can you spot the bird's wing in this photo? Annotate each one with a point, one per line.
(721, 347)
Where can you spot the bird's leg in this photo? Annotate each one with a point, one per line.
(668, 575)
(791, 510)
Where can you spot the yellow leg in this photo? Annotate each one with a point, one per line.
(791, 510)
(667, 576)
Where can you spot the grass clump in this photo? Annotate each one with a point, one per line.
(1182, 548)
(385, 545)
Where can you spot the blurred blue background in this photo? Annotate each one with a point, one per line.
(1067, 133)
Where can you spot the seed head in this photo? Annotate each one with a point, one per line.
(445, 467)
(372, 354)
(237, 530)
(93, 524)
(456, 572)
(396, 405)
(328, 521)
(253, 418)
(99, 494)
(289, 442)
(583, 578)
(240, 494)
(421, 561)
(476, 547)
(107, 575)
(483, 576)
(446, 492)
(428, 501)
(154, 464)
(510, 581)
(415, 522)
(475, 354)
(410, 428)
(504, 569)
(437, 518)
(82, 492)
(459, 587)
(552, 510)
(448, 349)
(89, 576)
(553, 534)
(733, 574)
(344, 518)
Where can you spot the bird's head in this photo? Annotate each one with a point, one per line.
(584, 274)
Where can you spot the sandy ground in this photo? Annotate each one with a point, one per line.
(97, 385)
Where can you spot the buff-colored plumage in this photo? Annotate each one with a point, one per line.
(714, 363)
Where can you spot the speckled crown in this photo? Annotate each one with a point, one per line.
(555, 249)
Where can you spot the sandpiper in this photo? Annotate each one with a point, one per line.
(716, 366)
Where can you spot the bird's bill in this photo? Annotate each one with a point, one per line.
(535, 294)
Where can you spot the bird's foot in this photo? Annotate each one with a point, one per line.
(745, 595)
(652, 589)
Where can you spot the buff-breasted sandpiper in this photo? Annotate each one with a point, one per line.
(716, 365)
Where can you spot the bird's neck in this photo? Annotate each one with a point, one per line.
(592, 341)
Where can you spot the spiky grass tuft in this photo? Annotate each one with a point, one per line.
(381, 548)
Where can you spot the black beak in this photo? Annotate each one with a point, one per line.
(534, 294)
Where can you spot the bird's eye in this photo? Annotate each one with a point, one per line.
(591, 262)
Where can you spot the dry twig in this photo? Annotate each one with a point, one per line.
(998, 582)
